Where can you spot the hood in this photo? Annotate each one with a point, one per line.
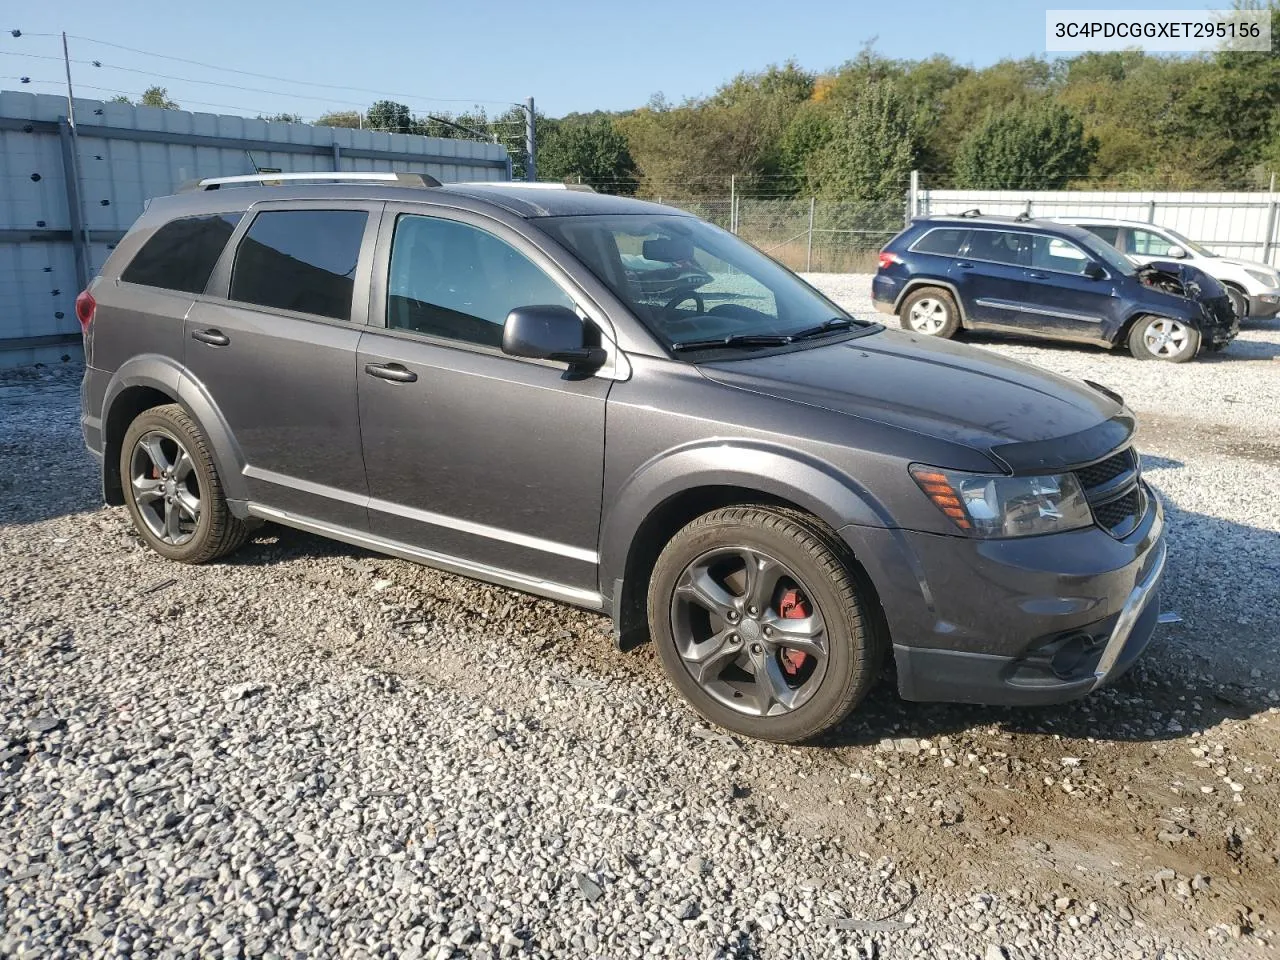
(1251, 264)
(1022, 415)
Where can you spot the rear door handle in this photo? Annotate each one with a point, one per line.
(390, 371)
(1037, 276)
(215, 338)
(964, 264)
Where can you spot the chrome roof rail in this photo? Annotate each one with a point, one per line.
(525, 185)
(336, 176)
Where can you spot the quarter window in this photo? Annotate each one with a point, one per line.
(181, 255)
(303, 260)
(456, 281)
(943, 241)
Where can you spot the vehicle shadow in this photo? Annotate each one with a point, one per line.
(1238, 349)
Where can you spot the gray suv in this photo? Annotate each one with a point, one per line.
(617, 405)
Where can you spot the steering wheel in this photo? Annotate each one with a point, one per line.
(682, 297)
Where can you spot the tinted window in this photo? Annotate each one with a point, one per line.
(1054, 253)
(302, 260)
(999, 246)
(181, 254)
(944, 241)
(1109, 234)
(1147, 244)
(452, 280)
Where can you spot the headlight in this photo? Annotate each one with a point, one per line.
(986, 506)
(1264, 277)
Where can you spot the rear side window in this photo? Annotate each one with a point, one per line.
(1110, 234)
(303, 260)
(181, 254)
(998, 246)
(944, 240)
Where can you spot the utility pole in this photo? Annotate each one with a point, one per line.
(530, 142)
(71, 170)
(733, 203)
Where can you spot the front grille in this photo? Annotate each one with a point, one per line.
(1114, 492)
(1099, 473)
(1120, 514)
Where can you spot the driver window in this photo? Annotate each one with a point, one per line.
(456, 281)
(682, 284)
(1147, 244)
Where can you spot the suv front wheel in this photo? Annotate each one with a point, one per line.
(931, 311)
(1163, 338)
(172, 489)
(760, 624)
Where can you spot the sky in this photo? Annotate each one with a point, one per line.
(568, 54)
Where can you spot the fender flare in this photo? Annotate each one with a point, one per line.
(783, 473)
(172, 379)
(917, 282)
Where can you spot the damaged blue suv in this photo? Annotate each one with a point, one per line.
(1047, 280)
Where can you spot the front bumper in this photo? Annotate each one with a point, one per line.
(1264, 305)
(1034, 620)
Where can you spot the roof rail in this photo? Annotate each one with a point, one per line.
(400, 179)
(975, 212)
(527, 185)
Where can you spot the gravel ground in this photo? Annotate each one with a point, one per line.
(312, 751)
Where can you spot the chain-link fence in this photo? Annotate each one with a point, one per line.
(808, 234)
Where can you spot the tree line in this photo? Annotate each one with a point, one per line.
(1124, 120)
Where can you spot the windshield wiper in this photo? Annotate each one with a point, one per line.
(735, 340)
(830, 326)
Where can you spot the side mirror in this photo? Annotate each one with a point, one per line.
(1094, 271)
(549, 332)
(1176, 252)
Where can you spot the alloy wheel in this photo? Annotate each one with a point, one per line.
(1166, 338)
(927, 315)
(165, 487)
(749, 632)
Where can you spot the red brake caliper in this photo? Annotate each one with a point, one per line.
(793, 606)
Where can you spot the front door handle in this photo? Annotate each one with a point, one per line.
(390, 371)
(215, 338)
(964, 264)
(1037, 276)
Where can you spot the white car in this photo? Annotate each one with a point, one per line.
(1254, 288)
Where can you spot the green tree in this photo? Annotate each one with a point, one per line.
(283, 118)
(348, 119)
(1041, 146)
(869, 149)
(157, 97)
(388, 116)
(593, 151)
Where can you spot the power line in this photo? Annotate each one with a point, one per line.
(264, 76)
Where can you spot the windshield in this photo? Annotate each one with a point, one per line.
(1108, 254)
(691, 282)
(1188, 244)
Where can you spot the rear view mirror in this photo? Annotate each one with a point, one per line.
(1094, 271)
(668, 250)
(1176, 252)
(549, 332)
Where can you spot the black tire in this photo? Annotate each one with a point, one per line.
(855, 644)
(941, 306)
(216, 532)
(1239, 302)
(1140, 344)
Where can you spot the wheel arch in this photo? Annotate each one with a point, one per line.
(151, 381)
(915, 284)
(666, 495)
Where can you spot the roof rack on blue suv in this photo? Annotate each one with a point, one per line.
(1040, 278)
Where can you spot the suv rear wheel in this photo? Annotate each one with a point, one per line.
(931, 311)
(1163, 338)
(760, 624)
(172, 490)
